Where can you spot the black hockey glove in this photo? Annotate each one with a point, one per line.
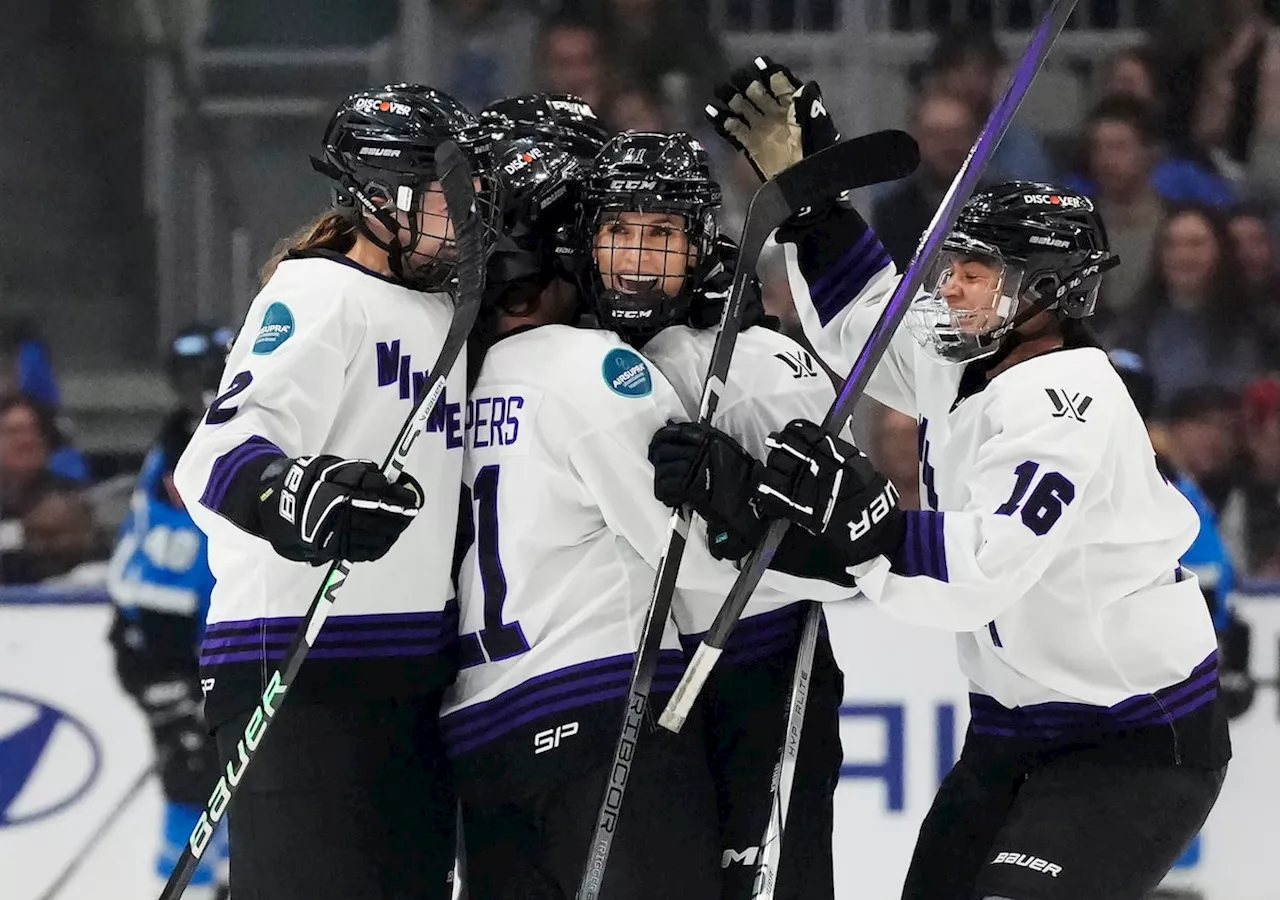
(1236, 686)
(716, 284)
(705, 469)
(318, 509)
(773, 119)
(828, 487)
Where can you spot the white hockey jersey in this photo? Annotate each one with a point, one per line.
(568, 534)
(1051, 541)
(772, 380)
(328, 361)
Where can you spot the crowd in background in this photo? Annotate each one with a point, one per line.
(1180, 150)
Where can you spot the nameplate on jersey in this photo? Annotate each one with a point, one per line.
(500, 419)
(395, 371)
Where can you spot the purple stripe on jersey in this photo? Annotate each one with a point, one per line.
(745, 656)
(333, 623)
(764, 626)
(1050, 720)
(325, 638)
(594, 675)
(219, 659)
(662, 684)
(923, 550)
(225, 467)
(854, 254)
(854, 273)
(537, 691)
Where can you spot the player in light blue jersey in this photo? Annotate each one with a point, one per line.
(161, 583)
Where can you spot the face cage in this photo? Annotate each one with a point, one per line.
(962, 334)
(410, 267)
(655, 286)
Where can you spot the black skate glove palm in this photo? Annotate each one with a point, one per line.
(771, 117)
(705, 469)
(319, 509)
(829, 488)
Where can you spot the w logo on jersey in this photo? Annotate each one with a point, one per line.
(1072, 406)
(800, 362)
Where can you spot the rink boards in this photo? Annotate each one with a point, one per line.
(71, 743)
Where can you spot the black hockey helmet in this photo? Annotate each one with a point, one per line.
(564, 119)
(1041, 248)
(379, 147)
(197, 355)
(643, 276)
(537, 185)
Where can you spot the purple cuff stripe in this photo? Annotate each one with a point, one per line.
(828, 303)
(923, 550)
(226, 466)
(832, 277)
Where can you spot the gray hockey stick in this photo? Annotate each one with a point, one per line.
(785, 771)
(882, 156)
(708, 652)
(91, 843)
(459, 192)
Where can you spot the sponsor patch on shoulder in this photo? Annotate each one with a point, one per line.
(277, 327)
(626, 373)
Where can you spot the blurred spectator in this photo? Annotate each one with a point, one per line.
(1202, 428)
(636, 108)
(1224, 79)
(1251, 514)
(58, 534)
(945, 127)
(1190, 322)
(480, 49)
(25, 368)
(968, 62)
(1250, 230)
(665, 43)
(571, 60)
(896, 453)
(27, 435)
(1135, 72)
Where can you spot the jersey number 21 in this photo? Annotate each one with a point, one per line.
(497, 640)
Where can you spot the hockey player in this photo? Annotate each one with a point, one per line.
(554, 580)
(659, 277)
(565, 120)
(160, 582)
(349, 797)
(1097, 744)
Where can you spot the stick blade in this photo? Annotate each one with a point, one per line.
(854, 163)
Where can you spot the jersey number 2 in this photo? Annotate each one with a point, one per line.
(499, 640)
(219, 413)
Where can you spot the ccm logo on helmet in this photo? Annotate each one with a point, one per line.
(1055, 200)
(632, 184)
(372, 104)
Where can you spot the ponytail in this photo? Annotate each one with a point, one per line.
(332, 231)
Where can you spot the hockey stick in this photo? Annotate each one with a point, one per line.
(785, 771)
(91, 843)
(966, 180)
(459, 193)
(873, 158)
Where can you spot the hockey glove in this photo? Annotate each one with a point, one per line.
(829, 488)
(773, 119)
(705, 469)
(1236, 686)
(319, 509)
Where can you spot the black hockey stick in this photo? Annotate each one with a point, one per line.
(459, 193)
(966, 180)
(871, 159)
(91, 843)
(789, 751)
